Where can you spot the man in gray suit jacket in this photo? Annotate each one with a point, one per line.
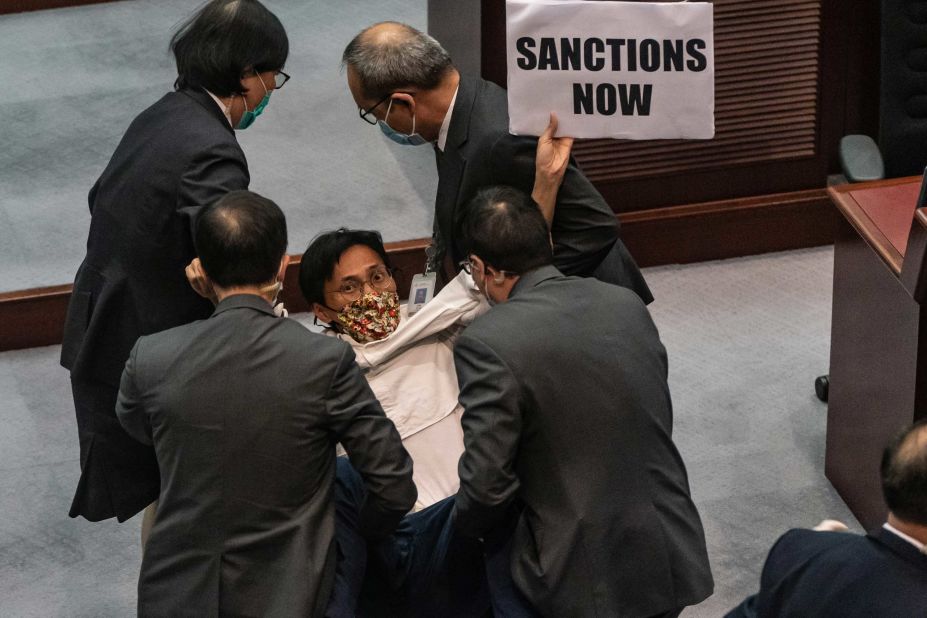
(403, 80)
(244, 410)
(568, 423)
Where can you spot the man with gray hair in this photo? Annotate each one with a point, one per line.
(403, 80)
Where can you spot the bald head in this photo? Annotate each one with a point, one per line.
(904, 475)
(390, 56)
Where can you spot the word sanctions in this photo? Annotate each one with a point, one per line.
(595, 54)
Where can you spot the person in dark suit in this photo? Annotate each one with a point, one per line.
(403, 80)
(568, 426)
(831, 574)
(177, 156)
(244, 410)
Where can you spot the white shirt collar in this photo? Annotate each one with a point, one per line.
(921, 547)
(442, 133)
(225, 112)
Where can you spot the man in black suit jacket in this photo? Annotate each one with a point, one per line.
(822, 574)
(244, 410)
(404, 80)
(177, 156)
(568, 420)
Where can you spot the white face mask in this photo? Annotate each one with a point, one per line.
(273, 289)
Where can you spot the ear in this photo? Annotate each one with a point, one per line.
(407, 99)
(498, 277)
(323, 313)
(281, 272)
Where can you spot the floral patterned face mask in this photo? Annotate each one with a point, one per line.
(371, 317)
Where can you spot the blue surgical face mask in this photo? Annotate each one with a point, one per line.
(250, 115)
(404, 139)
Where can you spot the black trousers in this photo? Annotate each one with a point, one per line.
(119, 475)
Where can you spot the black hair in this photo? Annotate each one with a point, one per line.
(324, 252)
(904, 474)
(402, 58)
(504, 228)
(224, 39)
(241, 239)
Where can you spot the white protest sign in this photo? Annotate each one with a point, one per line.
(631, 70)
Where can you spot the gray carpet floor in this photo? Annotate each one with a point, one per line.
(82, 74)
(745, 337)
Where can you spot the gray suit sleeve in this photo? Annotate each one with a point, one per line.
(373, 446)
(492, 423)
(129, 408)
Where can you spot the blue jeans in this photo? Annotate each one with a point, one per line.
(423, 569)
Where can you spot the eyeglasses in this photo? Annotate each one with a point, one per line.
(466, 266)
(365, 114)
(280, 78)
(380, 279)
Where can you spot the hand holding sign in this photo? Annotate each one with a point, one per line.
(550, 164)
(611, 69)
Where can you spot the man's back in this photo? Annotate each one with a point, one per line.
(244, 410)
(579, 372)
(831, 574)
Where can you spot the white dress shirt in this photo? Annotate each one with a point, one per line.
(920, 546)
(442, 132)
(412, 374)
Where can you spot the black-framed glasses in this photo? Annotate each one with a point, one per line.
(379, 279)
(280, 78)
(466, 266)
(365, 114)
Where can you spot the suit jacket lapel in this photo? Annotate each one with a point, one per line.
(452, 164)
(900, 546)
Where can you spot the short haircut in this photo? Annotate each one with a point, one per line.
(223, 40)
(324, 252)
(241, 239)
(904, 474)
(400, 59)
(504, 228)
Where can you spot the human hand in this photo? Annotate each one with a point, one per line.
(831, 525)
(199, 281)
(553, 154)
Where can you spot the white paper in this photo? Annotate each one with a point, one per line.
(630, 70)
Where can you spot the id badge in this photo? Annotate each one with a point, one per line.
(422, 290)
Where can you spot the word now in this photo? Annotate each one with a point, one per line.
(631, 99)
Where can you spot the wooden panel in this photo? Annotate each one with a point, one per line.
(21, 6)
(914, 269)
(677, 234)
(785, 96)
(766, 98)
(31, 318)
(878, 342)
(730, 228)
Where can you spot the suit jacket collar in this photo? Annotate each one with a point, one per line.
(244, 301)
(899, 546)
(533, 278)
(459, 129)
(202, 97)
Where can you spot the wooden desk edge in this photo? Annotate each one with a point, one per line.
(856, 216)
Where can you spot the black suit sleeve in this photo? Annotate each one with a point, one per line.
(492, 424)
(584, 226)
(210, 175)
(129, 408)
(373, 446)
